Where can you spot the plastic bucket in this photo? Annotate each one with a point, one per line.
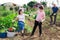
(11, 34)
(3, 35)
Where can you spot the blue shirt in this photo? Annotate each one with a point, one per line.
(54, 9)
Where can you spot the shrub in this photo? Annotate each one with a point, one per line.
(11, 8)
(27, 12)
(28, 28)
(5, 13)
(16, 8)
(47, 11)
(2, 8)
(31, 4)
(6, 22)
(44, 4)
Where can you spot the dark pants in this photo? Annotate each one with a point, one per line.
(51, 17)
(35, 26)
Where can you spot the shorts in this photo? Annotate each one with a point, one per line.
(20, 26)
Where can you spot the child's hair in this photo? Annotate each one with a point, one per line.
(41, 7)
(20, 11)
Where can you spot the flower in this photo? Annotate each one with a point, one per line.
(11, 29)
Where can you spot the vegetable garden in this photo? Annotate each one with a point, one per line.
(6, 24)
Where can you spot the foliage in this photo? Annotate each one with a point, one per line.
(47, 11)
(16, 8)
(6, 22)
(2, 8)
(24, 6)
(2, 4)
(31, 3)
(27, 12)
(5, 13)
(6, 17)
(44, 4)
(28, 28)
(11, 8)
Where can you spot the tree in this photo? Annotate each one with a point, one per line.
(16, 8)
(31, 3)
(2, 4)
(25, 6)
(44, 4)
(3, 7)
(11, 8)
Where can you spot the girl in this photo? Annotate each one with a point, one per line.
(38, 21)
(20, 18)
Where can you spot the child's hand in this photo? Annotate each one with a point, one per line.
(43, 20)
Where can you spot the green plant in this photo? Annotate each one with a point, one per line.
(6, 22)
(11, 8)
(5, 13)
(25, 6)
(28, 28)
(47, 11)
(2, 8)
(26, 12)
(31, 3)
(44, 3)
(16, 8)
